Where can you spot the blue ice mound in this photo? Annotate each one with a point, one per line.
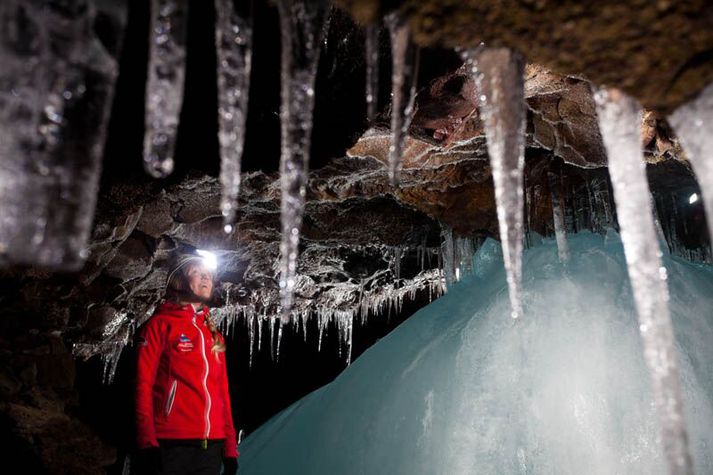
(461, 388)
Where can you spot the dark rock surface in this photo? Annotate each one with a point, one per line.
(659, 52)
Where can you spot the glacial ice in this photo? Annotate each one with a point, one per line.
(460, 389)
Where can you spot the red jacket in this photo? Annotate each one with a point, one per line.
(181, 385)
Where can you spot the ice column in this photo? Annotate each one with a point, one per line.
(449, 256)
(56, 88)
(164, 88)
(302, 23)
(693, 123)
(558, 218)
(498, 73)
(372, 70)
(619, 119)
(233, 37)
(403, 89)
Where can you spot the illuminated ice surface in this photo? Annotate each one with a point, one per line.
(459, 388)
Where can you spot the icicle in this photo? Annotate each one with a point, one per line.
(590, 206)
(111, 361)
(657, 223)
(348, 338)
(558, 218)
(126, 470)
(322, 323)
(233, 37)
(372, 70)
(279, 339)
(260, 319)
(602, 200)
(528, 214)
(164, 88)
(272, 338)
(251, 330)
(302, 23)
(56, 89)
(498, 73)
(403, 89)
(449, 258)
(464, 250)
(672, 233)
(398, 252)
(693, 123)
(619, 119)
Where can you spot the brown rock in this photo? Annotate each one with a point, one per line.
(658, 52)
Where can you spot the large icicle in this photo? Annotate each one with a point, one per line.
(372, 70)
(56, 88)
(619, 119)
(233, 37)
(693, 123)
(403, 89)
(164, 88)
(498, 73)
(558, 218)
(302, 23)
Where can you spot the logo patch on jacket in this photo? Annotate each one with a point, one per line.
(184, 343)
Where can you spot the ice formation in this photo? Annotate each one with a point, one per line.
(372, 69)
(403, 88)
(619, 119)
(498, 74)
(456, 256)
(302, 26)
(693, 125)
(558, 218)
(56, 88)
(458, 388)
(342, 304)
(233, 37)
(164, 87)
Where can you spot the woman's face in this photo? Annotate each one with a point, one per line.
(200, 281)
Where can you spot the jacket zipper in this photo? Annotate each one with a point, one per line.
(205, 382)
(171, 397)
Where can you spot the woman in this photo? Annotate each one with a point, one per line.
(183, 415)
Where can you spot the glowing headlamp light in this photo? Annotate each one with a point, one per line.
(209, 259)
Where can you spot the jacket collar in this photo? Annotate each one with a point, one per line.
(181, 311)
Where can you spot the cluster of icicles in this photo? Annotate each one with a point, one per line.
(342, 305)
(498, 73)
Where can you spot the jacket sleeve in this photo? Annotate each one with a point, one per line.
(149, 348)
(230, 446)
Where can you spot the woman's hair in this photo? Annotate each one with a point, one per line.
(178, 290)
